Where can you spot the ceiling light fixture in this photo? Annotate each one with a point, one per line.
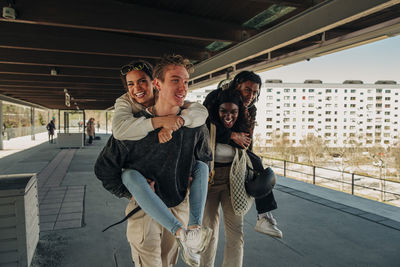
(9, 12)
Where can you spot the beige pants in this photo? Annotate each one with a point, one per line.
(151, 244)
(218, 194)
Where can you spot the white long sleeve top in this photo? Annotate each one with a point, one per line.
(126, 127)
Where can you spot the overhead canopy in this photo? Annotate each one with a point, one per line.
(85, 42)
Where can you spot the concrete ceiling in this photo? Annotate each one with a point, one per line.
(86, 41)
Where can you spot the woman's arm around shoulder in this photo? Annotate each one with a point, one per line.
(125, 126)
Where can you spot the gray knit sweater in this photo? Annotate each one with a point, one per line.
(169, 164)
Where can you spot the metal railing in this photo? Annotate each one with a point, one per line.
(371, 187)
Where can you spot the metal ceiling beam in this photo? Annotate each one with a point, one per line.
(20, 102)
(323, 17)
(39, 38)
(22, 70)
(122, 17)
(34, 79)
(371, 34)
(58, 59)
(292, 3)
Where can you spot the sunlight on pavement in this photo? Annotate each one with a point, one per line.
(17, 144)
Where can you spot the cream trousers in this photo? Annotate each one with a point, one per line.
(151, 244)
(218, 194)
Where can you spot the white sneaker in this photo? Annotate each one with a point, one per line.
(193, 242)
(266, 226)
(189, 256)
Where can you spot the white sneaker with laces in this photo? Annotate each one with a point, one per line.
(268, 226)
(189, 256)
(193, 242)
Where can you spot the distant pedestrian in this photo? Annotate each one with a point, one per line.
(90, 130)
(51, 126)
(98, 126)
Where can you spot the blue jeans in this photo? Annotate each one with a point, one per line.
(153, 206)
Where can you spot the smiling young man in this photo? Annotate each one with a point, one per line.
(168, 166)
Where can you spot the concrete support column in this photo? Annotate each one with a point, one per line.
(32, 123)
(1, 125)
(59, 120)
(106, 122)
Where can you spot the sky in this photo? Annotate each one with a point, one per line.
(379, 60)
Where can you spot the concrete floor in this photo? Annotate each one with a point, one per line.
(321, 227)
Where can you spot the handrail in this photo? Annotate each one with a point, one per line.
(320, 167)
(354, 176)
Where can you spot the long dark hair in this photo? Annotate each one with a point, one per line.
(148, 70)
(242, 123)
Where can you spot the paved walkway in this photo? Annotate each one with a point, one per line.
(321, 227)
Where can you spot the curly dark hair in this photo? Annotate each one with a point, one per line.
(242, 123)
(167, 60)
(245, 76)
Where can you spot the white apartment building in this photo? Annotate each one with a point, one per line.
(338, 113)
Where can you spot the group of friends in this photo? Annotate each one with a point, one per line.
(159, 158)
